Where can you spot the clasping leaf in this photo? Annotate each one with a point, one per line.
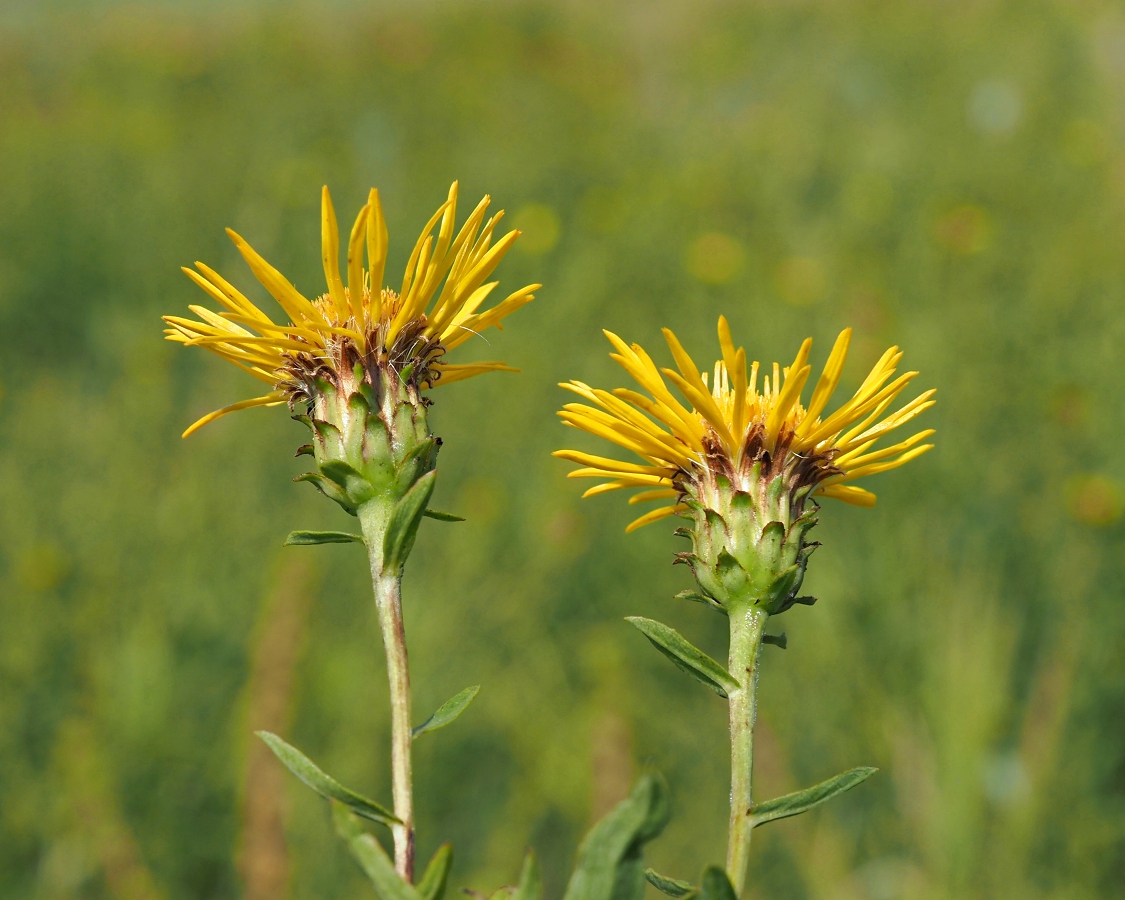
(688, 657)
(325, 785)
(448, 711)
(371, 857)
(405, 519)
(802, 801)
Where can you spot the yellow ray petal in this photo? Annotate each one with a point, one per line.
(274, 398)
(377, 242)
(826, 384)
(450, 373)
(355, 269)
(856, 496)
(290, 299)
(790, 394)
(609, 465)
(657, 494)
(654, 516)
(330, 255)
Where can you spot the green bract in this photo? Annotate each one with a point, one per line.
(371, 441)
(749, 545)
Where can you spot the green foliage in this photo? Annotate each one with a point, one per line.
(448, 711)
(714, 885)
(530, 885)
(402, 527)
(685, 655)
(433, 881)
(442, 516)
(610, 863)
(802, 801)
(325, 785)
(309, 538)
(372, 858)
(670, 886)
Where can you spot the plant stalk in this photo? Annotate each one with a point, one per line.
(388, 603)
(746, 625)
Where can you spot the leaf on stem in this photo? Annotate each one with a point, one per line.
(673, 887)
(610, 865)
(432, 885)
(715, 885)
(308, 538)
(448, 711)
(531, 882)
(778, 640)
(325, 785)
(405, 519)
(802, 801)
(370, 855)
(685, 655)
(442, 516)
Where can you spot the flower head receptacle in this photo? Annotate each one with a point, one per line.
(744, 464)
(360, 357)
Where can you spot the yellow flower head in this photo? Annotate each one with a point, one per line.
(735, 429)
(360, 322)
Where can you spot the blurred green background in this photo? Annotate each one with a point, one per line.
(949, 177)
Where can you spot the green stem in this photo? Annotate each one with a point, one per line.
(746, 624)
(388, 602)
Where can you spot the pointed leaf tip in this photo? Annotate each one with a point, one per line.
(802, 801)
(434, 879)
(448, 711)
(531, 881)
(685, 655)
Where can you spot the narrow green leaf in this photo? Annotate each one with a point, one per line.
(403, 526)
(325, 785)
(370, 855)
(448, 711)
(681, 890)
(531, 881)
(778, 640)
(308, 538)
(688, 657)
(442, 516)
(802, 801)
(610, 865)
(434, 879)
(714, 885)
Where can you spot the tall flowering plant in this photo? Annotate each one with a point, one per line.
(744, 463)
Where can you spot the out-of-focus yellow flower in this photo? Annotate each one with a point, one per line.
(359, 323)
(739, 431)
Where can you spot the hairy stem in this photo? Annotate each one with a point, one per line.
(388, 603)
(746, 626)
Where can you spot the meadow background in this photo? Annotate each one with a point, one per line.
(949, 177)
